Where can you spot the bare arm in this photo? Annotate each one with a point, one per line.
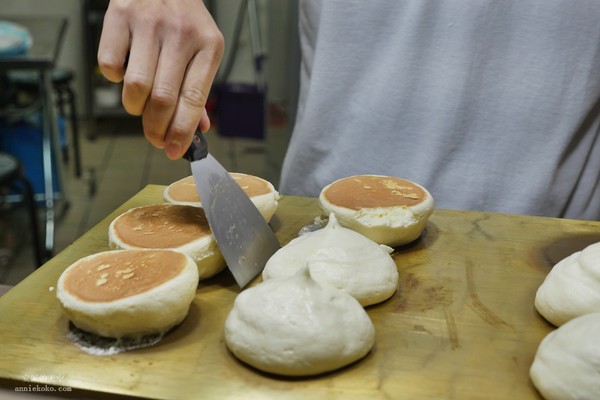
(167, 53)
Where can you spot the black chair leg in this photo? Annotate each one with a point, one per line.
(27, 191)
(74, 130)
(60, 103)
(66, 95)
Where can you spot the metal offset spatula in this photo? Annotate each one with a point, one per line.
(242, 234)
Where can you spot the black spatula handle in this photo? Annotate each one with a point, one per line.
(198, 149)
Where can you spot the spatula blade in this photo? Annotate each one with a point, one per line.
(242, 234)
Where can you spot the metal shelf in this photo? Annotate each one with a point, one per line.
(93, 17)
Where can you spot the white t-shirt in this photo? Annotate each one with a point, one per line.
(491, 105)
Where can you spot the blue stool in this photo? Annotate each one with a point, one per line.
(62, 79)
(12, 178)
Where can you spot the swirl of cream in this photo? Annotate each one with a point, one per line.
(572, 287)
(566, 362)
(341, 258)
(295, 326)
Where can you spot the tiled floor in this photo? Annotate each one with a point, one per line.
(119, 162)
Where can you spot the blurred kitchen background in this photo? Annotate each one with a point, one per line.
(251, 122)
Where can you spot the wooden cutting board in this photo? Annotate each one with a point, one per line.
(462, 324)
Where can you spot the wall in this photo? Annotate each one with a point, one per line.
(277, 22)
(72, 50)
(278, 26)
(275, 19)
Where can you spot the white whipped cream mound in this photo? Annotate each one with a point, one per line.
(566, 365)
(341, 258)
(572, 287)
(295, 326)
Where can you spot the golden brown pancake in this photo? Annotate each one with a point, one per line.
(162, 226)
(261, 193)
(120, 293)
(184, 190)
(388, 210)
(369, 191)
(113, 276)
(169, 226)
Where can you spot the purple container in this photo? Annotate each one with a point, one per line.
(241, 110)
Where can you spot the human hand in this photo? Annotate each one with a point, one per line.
(167, 54)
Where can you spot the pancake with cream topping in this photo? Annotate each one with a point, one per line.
(387, 210)
(260, 191)
(128, 293)
(168, 226)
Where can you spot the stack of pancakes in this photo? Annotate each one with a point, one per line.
(147, 283)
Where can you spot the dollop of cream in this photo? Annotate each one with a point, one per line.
(342, 258)
(566, 363)
(571, 288)
(296, 326)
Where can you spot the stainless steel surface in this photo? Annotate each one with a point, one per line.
(242, 234)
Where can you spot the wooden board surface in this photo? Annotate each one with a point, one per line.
(462, 324)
